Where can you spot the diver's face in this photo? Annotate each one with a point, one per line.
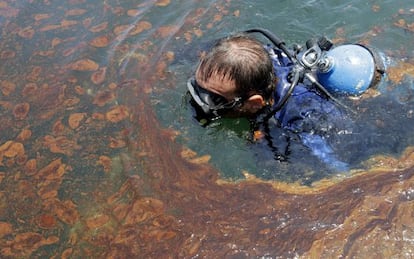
(226, 88)
(219, 85)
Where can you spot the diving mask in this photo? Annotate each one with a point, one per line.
(212, 104)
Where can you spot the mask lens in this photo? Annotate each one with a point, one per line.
(208, 101)
(213, 105)
(206, 97)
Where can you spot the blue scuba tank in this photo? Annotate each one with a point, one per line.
(350, 69)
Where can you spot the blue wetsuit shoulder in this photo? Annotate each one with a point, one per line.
(308, 113)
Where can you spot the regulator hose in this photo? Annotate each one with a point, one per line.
(274, 39)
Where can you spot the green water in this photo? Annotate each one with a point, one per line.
(295, 22)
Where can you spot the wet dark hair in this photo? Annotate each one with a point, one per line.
(243, 60)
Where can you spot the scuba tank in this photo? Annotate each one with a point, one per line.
(350, 69)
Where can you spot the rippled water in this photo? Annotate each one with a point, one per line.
(100, 155)
(369, 23)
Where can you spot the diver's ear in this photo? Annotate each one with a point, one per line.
(255, 102)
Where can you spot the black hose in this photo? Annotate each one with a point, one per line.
(282, 102)
(274, 39)
(327, 94)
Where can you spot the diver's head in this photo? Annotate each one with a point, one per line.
(234, 79)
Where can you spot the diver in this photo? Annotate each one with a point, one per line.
(294, 90)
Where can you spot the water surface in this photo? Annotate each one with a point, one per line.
(100, 155)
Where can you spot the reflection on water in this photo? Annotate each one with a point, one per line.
(99, 155)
